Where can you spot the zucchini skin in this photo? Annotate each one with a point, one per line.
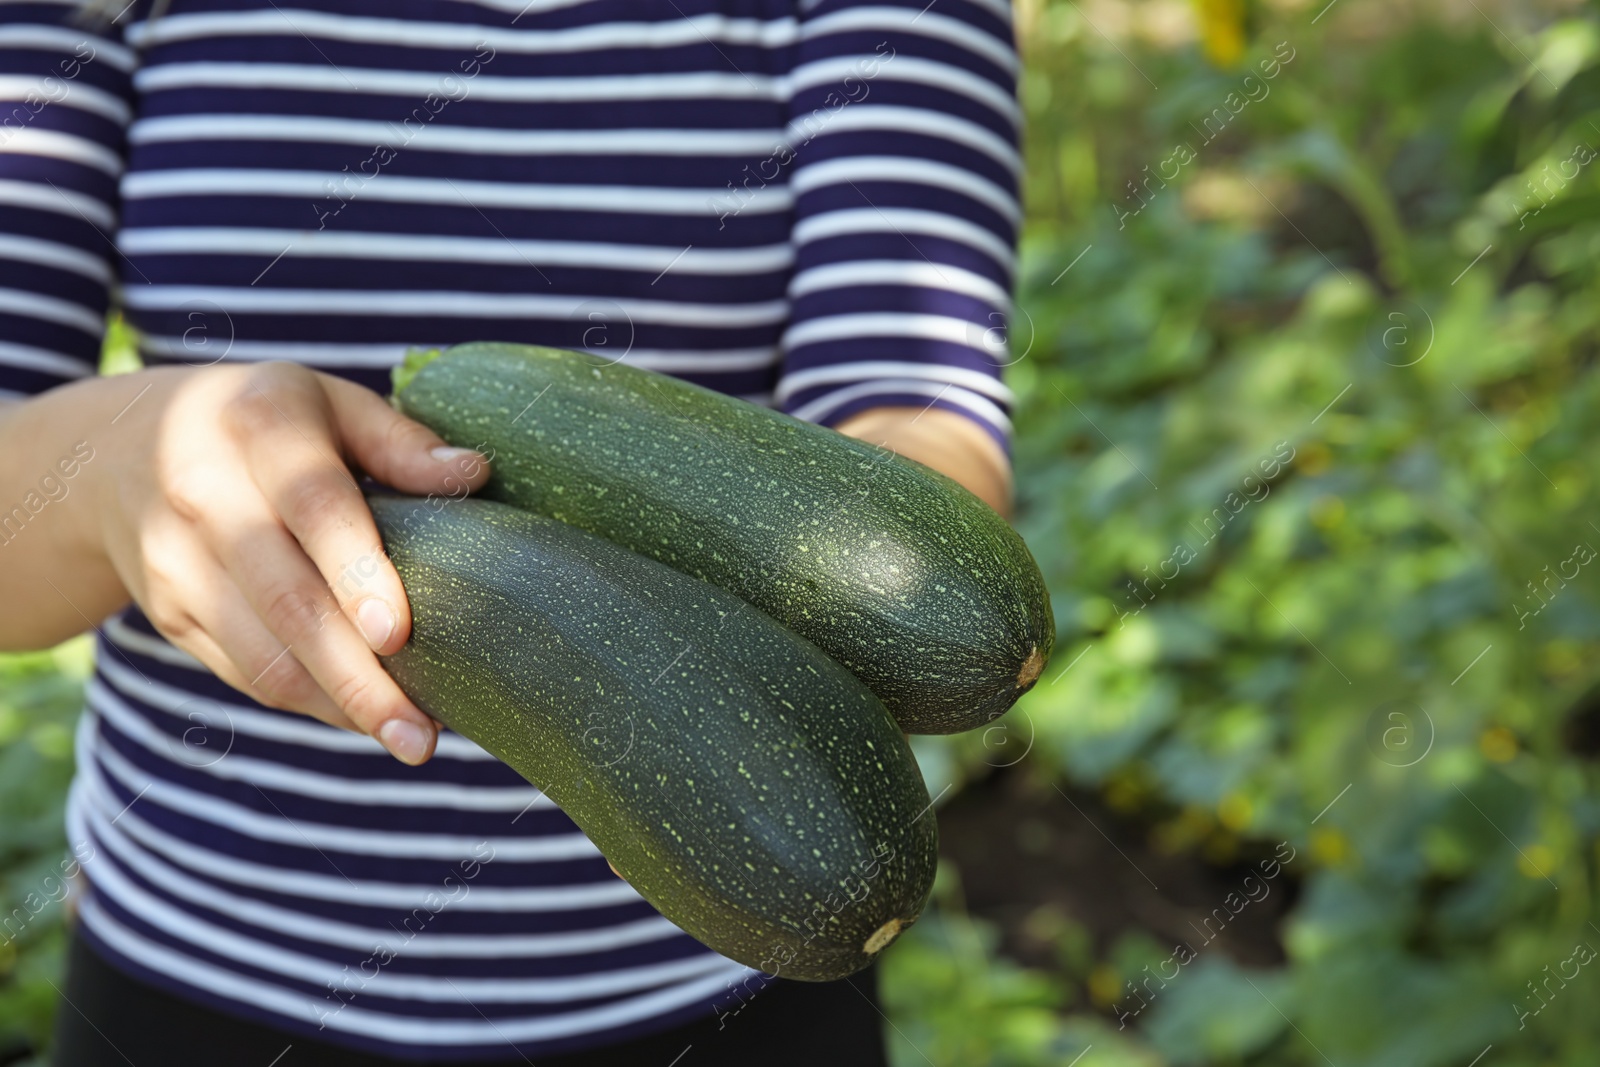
(894, 570)
(745, 784)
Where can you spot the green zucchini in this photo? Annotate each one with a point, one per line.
(910, 581)
(751, 789)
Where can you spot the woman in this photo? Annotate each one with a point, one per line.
(808, 204)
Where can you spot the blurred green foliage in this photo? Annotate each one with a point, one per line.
(1306, 413)
(1387, 264)
(40, 696)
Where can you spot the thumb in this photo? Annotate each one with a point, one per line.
(398, 451)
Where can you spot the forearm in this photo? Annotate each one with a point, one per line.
(951, 444)
(67, 93)
(54, 577)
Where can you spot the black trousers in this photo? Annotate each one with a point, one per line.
(107, 1019)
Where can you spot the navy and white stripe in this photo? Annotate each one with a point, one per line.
(810, 203)
(274, 867)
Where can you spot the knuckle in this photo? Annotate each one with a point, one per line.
(283, 682)
(359, 697)
(368, 570)
(171, 621)
(294, 613)
(318, 502)
(275, 374)
(252, 410)
(404, 436)
(186, 494)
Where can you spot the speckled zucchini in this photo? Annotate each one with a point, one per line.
(751, 789)
(910, 581)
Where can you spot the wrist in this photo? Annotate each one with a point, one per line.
(84, 439)
(951, 444)
(52, 525)
(73, 438)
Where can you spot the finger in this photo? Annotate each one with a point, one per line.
(292, 456)
(282, 683)
(283, 587)
(216, 626)
(398, 451)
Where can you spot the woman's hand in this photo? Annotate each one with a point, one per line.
(224, 501)
(951, 444)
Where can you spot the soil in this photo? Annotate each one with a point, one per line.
(1581, 728)
(1026, 849)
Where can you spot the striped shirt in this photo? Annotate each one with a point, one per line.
(807, 203)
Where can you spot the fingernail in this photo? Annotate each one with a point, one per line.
(446, 454)
(376, 620)
(405, 740)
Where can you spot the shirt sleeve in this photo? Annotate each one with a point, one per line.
(903, 130)
(65, 92)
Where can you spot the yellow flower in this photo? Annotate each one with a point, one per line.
(1222, 30)
(1234, 811)
(1329, 847)
(1536, 861)
(1499, 744)
(1105, 985)
(1313, 458)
